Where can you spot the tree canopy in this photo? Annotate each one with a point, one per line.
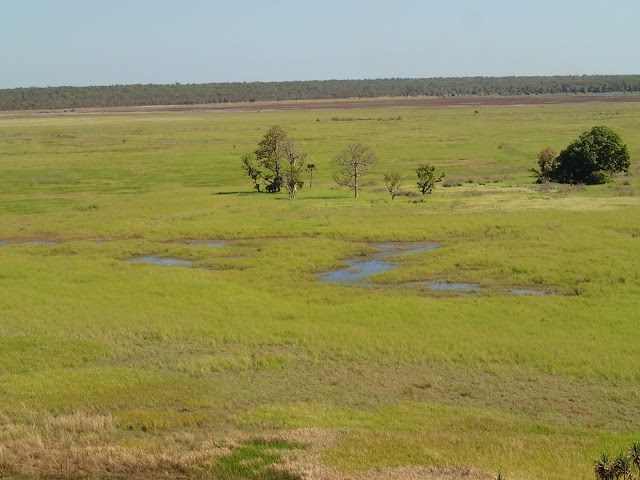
(591, 159)
(270, 156)
(427, 177)
(194, 94)
(276, 163)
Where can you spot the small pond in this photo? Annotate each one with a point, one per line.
(444, 286)
(205, 244)
(357, 271)
(526, 291)
(30, 242)
(165, 262)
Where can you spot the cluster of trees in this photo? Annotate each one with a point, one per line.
(621, 466)
(591, 159)
(277, 163)
(427, 179)
(191, 94)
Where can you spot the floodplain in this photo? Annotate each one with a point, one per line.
(228, 357)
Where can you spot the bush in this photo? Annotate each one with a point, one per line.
(592, 159)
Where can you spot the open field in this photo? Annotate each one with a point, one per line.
(245, 366)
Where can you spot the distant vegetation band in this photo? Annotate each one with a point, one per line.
(192, 94)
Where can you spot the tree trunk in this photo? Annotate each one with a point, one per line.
(355, 180)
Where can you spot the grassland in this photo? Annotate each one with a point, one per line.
(112, 369)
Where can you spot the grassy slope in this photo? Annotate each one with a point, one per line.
(534, 386)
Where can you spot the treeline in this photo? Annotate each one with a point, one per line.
(191, 94)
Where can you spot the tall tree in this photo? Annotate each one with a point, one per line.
(351, 164)
(292, 176)
(269, 154)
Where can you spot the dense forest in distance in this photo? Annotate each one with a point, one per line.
(32, 98)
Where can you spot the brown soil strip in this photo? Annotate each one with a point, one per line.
(355, 104)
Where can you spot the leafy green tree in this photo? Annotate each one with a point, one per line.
(427, 177)
(351, 164)
(546, 165)
(393, 181)
(592, 158)
(269, 155)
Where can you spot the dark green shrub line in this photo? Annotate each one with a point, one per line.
(192, 94)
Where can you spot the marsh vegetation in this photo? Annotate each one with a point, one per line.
(112, 369)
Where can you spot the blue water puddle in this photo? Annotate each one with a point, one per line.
(389, 249)
(525, 291)
(443, 286)
(30, 242)
(165, 262)
(205, 244)
(357, 272)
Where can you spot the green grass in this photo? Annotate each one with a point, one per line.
(248, 341)
(254, 460)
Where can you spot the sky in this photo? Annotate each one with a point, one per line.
(105, 42)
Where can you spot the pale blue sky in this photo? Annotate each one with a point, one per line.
(104, 42)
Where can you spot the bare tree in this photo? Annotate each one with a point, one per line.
(393, 181)
(292, 176)
(352, 163)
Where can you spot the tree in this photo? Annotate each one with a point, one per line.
(427, 177)
(270, 156)
(592, 158)
(546, 164)
(252, 171)
(351, 164)
(310, 168)
(393, 181)
(292, 177)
